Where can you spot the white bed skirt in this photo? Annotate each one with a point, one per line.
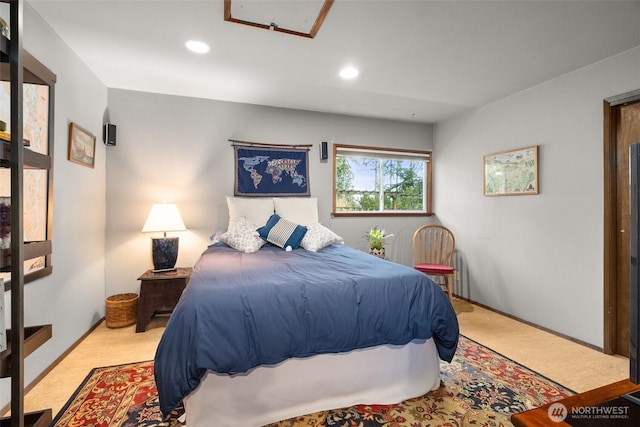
(384, 374)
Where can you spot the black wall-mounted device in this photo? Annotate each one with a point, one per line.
(324, 150)
(109, 134)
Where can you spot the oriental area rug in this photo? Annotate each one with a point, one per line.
(479, 387)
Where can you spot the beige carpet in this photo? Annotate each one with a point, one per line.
(572, 365)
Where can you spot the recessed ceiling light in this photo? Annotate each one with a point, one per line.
(197, 46)
(349, 73)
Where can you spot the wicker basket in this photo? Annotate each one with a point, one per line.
(121, 310)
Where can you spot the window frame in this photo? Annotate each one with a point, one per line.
(373, 150)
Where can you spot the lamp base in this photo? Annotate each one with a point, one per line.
(164, 251)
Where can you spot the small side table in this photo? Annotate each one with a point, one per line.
(159, 292)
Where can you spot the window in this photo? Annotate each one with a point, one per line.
(381, 181)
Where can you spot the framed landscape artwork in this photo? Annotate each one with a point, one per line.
(82, 146)
(511, 172)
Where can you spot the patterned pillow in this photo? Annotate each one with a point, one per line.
(243, 237)
(215, 238)
(318, 237)
(282, 233)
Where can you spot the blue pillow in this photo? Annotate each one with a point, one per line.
(282, 233)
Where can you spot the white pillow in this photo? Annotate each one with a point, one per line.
(318, 237)
(256, 209)
(301, 210)
(243, 237)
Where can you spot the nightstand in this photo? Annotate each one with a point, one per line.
(159, 293)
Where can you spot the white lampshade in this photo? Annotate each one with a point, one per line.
(164, 217)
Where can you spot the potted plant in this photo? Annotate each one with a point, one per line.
(376, 237)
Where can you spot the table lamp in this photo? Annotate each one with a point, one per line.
(164, 217)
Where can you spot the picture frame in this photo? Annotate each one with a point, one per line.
(511, 172)
(82, 146)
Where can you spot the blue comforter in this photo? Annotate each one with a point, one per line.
(244, 310)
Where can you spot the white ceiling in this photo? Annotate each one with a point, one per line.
(419, 60)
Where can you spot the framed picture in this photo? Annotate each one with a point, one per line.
(511, 172)
(82, 146)
(271, 171)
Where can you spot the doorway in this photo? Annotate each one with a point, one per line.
(621, 129)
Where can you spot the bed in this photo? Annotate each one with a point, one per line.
(263, 335)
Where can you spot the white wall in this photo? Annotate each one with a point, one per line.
(539, 258)
(72, 298)
(176, 149)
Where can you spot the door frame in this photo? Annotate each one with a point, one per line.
(610, 213)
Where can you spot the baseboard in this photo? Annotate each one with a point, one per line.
(526, 322)
(55, 363)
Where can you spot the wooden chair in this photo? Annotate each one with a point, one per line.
(433, 247)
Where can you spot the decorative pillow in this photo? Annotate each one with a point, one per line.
(318, 237)
(282, 233)
(256, 209)
(215, 238)
(301, 210)
(243, 237)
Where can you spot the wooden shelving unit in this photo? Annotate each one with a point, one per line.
(34, 337)
(32, 419)
(32, 160)
(31, 250)
(19, 67)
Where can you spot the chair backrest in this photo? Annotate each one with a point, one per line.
(433, 244)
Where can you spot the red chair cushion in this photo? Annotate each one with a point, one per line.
(434, 268)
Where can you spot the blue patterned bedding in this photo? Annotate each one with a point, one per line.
(243, 310)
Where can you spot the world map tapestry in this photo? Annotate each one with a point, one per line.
(271, 172)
